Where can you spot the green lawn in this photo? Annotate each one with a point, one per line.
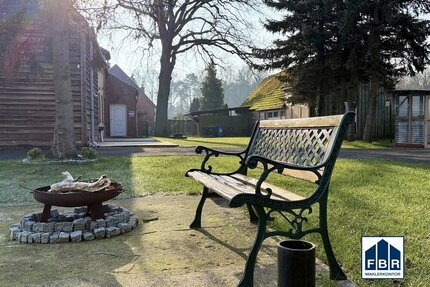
(242, 142)
(383, 143)
(227, 142)
(367, 198)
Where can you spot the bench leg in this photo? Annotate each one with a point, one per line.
(336, 272)
(248, 276)
(252, 216)
(197, 223)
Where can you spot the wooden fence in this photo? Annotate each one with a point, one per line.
(383, 126)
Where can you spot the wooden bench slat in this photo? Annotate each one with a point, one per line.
(319, 122)
(300, 174)
(226, 191)
(230, 186)
(303, 175)
(278, 192)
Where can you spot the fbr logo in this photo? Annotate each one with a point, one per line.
(382, 257)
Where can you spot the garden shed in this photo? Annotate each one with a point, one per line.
(412, 118)
(223, 122)
(128, 111)
(269, 101)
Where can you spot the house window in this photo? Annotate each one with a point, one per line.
(262, 116)
(273, 115)
(282, 114)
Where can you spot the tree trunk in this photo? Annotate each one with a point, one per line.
(374, 43)
(63, 144)
(162, 127)
(371, 109)
(353, 132)
(352, 100)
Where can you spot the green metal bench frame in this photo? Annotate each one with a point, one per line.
(304, 146)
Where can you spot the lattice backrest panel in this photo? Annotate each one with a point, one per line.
(303, 142)
(304, 147)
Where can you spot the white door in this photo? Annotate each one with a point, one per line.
(118, 120)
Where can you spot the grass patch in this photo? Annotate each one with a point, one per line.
(227, 142)
(368, 197)
(382, 143)
(242, 142)
(138, 175)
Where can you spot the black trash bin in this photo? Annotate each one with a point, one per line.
(296, 264)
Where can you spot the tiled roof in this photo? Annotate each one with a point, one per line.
(268, 95)
(118, 73)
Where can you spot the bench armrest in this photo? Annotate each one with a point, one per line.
(213, 152)
(200, 149)
(271, 165)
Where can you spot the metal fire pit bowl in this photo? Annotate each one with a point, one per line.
(93, 200)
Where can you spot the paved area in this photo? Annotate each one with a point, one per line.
(134, 142)
(412, 155)
(162, 251)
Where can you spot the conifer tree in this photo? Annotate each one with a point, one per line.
(195, 105)
(212, 90)
(308, 28)
(330, 46)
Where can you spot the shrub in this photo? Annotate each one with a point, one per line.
(89, 153)
(35, 154)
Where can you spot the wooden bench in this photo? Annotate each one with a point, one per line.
(301, 148)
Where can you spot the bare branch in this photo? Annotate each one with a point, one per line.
(180, 26)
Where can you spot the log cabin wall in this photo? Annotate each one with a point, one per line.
(27, 100)
(90, 78)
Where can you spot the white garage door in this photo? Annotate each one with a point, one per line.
(118, 120)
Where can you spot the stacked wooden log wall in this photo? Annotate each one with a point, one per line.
(27, 101)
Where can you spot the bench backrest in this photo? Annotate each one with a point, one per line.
(307, 142)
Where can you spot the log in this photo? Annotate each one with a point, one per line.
(70, 185)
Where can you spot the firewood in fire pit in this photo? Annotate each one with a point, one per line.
(70, 185)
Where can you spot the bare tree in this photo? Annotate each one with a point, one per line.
(179, 26)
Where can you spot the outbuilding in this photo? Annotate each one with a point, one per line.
(412, 118)
(269, 101)
(128, 111)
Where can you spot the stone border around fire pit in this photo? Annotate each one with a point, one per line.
(73, 226)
